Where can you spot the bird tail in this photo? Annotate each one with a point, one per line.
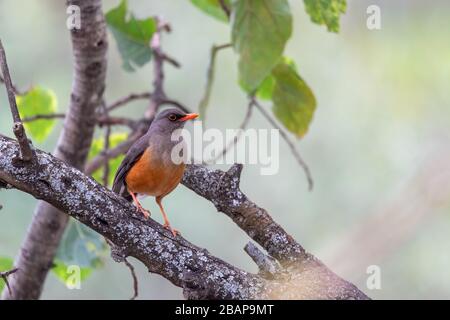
(120, 188)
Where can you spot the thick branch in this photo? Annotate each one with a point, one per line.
(311, 278)
(184, 264)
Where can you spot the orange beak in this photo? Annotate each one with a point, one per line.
(189, 116)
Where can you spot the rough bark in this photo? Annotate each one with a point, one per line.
(192, 268)
(307, 277)
(89, 51)
(182, 263)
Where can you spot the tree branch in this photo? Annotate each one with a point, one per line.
(48, 116)
(225, 8)
(102, 120)
(135, 279)
(26, 153)
(89, 46)
(107, 135)
(204, 101)
(5, 274)
(16, 91)
(200, 274)
(179, 261)
(222, 189)
(125, 100)
(267, 265)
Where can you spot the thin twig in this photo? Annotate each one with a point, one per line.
(48, 116)
(106, 168)
(171, 60)
(289, 143)
(158, 62)
(203, 104)
(101, 119)
(115, 121)
(125, 100)
(119, 256)
(225, 8)
(16, 91)
(135, 279)
(5, 274)
(18, 129)
(242, 127)
(98, 161)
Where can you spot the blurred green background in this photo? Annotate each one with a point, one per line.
(378, 146)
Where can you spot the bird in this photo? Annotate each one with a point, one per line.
(148, 168)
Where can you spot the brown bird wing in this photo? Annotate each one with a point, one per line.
(133, 155)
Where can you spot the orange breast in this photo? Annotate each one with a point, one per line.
(154, 175)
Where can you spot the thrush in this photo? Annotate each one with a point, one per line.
(148, 168)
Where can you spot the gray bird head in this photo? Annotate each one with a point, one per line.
(169, 120)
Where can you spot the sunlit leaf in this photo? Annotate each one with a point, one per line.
(293, 101)
(213, 8)
(260, 30)
(38, 101)
(97, 147)
(132, 36)
(326, 12)
(80, 246)
(6, 264)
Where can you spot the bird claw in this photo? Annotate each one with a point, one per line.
(146, 213)
(175, 232)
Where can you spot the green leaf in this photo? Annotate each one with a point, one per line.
(326, 12)
(97, 147)
(213, 8)
(6, 264)
(293, 101)
(260, 30)
(38, 101)
(265, 90)
(132, 36)
(80, 246)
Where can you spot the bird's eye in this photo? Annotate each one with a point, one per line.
(172, 117)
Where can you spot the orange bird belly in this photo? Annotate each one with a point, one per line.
(154, 175)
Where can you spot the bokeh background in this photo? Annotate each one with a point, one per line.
(378, 146)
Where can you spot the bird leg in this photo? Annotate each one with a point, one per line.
(140, 208)
(166, 220)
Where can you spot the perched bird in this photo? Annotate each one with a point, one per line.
(148, 167)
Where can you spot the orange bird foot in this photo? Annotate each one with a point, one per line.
(139, 207)
(145, 212)
(175, 232)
